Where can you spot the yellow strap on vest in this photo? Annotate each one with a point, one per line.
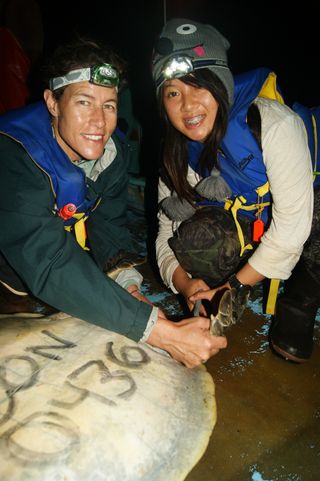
(234, 209)
(263, 189)
(79, 230)
(272, 296)
(234, 206)
(269, 89)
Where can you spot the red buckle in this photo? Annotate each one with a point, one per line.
(67, 211)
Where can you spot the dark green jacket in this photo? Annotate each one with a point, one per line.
(48, 258)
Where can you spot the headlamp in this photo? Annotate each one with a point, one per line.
(104, 75)
(179, 66)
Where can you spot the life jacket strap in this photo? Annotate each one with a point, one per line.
(234, 206)
(270, 89)
(272, 296)
(79, 229)
(263, 189)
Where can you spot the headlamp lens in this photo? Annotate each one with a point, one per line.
(177, 67)
(105, 75)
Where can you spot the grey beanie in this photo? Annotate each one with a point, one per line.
(202, 43)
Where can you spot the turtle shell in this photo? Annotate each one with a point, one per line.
(80, 403)
(207, 244)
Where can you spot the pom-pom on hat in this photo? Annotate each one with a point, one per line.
(184, 46)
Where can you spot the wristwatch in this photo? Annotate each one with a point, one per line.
(234, 282)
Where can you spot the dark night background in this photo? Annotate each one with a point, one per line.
(274, 34)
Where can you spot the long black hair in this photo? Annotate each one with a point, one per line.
(174, 164)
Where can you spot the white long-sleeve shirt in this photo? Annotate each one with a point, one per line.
(288, 164)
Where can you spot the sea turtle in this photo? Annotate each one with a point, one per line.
(80, 403)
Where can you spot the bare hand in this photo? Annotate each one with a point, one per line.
(188, 341)
(192, 286)
(205, 294)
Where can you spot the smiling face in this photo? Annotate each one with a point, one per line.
(191, 110)
(83, 118)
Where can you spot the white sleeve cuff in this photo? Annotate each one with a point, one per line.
(127, 277)
(151, 323)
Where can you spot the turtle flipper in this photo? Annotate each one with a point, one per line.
(230, 310)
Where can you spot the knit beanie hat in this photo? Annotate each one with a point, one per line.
(184, 46)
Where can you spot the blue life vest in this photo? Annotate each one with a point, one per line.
(240, 160)
(31, 126)
(240, 157)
